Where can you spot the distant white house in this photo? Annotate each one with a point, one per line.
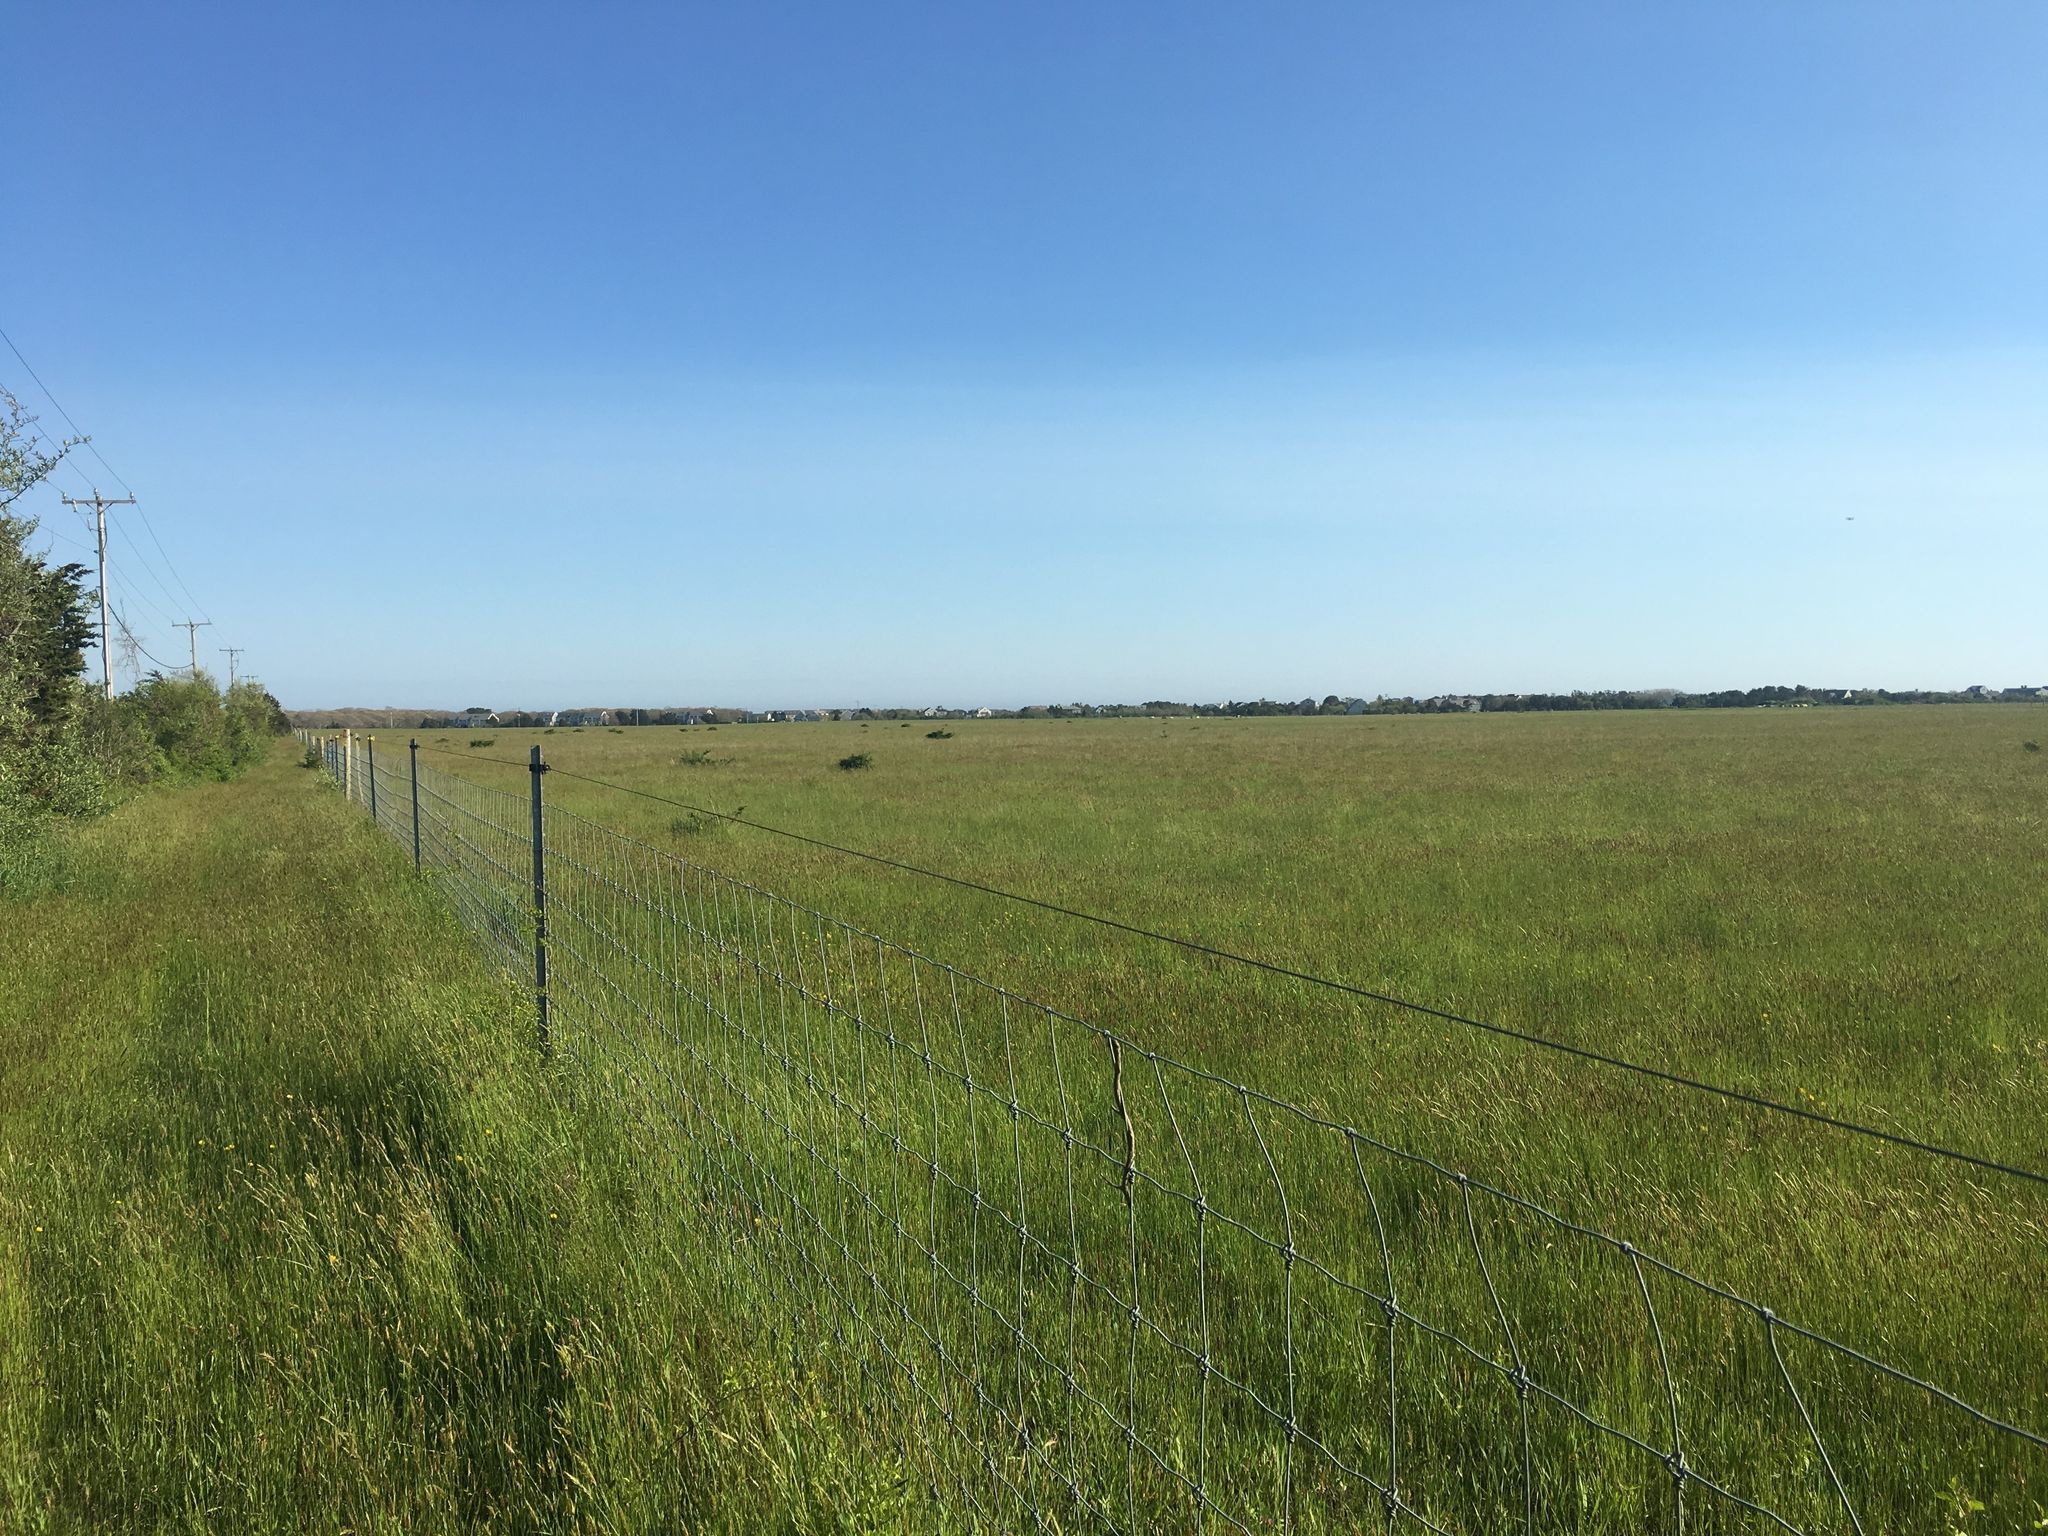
(984, 713)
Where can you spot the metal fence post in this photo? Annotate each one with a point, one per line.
(372, 740)
(540, 903)
(415, 805)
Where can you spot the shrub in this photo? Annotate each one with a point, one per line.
(193, 731)
(938, 735)
(858, 760)
(480, 741)
(696, 824)
(312, 759)
(691, 759)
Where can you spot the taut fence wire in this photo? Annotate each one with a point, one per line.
(1063, 1282)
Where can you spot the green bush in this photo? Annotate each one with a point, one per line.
(858, 760)
(194, 731)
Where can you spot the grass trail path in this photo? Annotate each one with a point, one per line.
(297, 1234)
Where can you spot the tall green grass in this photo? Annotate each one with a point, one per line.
(297, 1233)
(1777, 901)
(325, 1245)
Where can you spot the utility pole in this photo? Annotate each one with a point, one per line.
(192, 630)
(99, 505)
(231, 652)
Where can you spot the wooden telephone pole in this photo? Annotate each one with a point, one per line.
(99, 505)
(192, 628)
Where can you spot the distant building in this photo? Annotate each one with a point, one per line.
(1356, 706)
(984, 713)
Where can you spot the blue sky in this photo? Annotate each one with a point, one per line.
(907, 353)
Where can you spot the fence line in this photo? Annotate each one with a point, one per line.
(1541, 1042)
(1076, 1284)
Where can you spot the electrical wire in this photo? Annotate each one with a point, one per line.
(129, 546)
(121, 585)
(170, 564)
(121, 623)
(1195, 946)
(75, 432)
(87, 442)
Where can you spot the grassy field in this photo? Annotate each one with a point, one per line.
(1836, 908)
(296, 1234)
(456, 1286)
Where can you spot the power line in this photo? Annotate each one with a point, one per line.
(135, 596)
(169, 563)
(75, 432)
(130, 635)
(63, 538)
(141, 560)
(1195, 946)
(87, 442)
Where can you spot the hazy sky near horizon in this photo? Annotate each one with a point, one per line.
(897, 354)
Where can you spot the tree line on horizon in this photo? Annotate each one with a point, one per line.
(1778, 695)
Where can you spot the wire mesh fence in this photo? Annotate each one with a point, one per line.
(1068, 1283)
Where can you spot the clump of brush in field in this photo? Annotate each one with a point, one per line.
(938, 735)
(697, 759)
(857, 761)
